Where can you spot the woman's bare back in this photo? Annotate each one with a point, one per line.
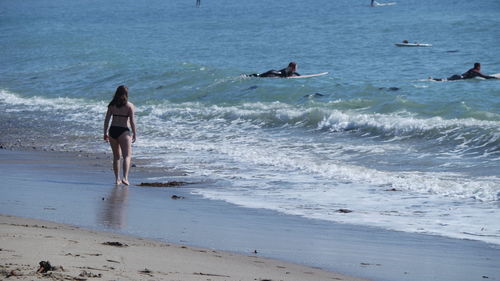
(121, 115)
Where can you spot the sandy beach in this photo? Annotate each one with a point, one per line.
(80, 254)
(77, 253)
(191, 237)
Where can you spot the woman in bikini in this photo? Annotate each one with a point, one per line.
(118, 134)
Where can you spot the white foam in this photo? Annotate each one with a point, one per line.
(298, 176)
(236, 140)
(51, 105)
(398, 123)
(306, 173)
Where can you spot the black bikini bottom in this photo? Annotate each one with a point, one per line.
(116, 131)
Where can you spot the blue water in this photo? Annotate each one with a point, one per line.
(374, 136)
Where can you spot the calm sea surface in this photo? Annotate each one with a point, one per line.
(373, 136)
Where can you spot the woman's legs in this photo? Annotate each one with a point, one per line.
(125, 142)
(115, 147)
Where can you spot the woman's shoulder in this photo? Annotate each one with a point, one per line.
(130, 108)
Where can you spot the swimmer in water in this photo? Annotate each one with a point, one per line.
(289, 71)
(471, 73)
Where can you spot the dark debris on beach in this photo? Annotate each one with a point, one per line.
(165, 184)
(115, 244)
(344, 211)
(45, 266)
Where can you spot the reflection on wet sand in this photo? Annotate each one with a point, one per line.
(114, 208)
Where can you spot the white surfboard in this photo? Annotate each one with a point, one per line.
(413, 45)
(384, 4)
(308, 75)
(497, 75)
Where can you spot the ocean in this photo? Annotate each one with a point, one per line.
(374, 136)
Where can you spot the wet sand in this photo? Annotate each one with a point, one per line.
(80, 254)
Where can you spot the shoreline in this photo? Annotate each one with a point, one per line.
(79, 254)
(77, 190)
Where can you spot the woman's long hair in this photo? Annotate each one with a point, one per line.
(121, 97)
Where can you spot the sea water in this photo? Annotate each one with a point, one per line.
(374, 136)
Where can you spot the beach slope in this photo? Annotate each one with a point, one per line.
(80, 254)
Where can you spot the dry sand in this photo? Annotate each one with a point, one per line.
(81, 254)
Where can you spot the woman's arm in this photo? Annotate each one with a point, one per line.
(106, 124)
(132, 121)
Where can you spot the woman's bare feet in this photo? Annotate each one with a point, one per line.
(118, 182)
(125, 182)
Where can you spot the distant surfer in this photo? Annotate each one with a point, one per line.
(198, 3)
(374, 3)
(289, 71)
(471, 73)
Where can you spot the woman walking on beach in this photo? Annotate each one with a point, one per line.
(119, 134)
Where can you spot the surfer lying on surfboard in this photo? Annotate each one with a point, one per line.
(289, 71)
(471, 73)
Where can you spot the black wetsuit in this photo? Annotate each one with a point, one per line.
(282, 73)
(471, 73)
